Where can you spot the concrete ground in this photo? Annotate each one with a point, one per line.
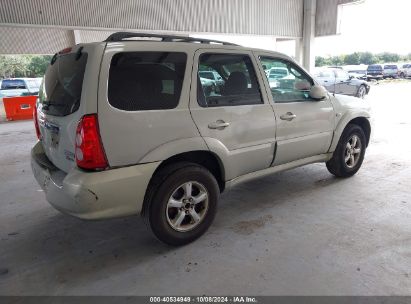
(301, 232)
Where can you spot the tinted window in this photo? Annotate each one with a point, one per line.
(240, 82)
(13, 84)
(63, 84)
(146, 80)
(292, 88)
(374, 68)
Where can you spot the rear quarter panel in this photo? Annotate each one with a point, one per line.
(132, 137)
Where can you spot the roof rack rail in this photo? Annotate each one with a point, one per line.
(119, 36)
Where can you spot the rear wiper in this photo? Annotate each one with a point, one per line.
(47, 104)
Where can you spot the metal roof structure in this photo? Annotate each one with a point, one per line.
(44, 26)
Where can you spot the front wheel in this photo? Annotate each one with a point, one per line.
(184, 204)
(362, 91)
(349, 154)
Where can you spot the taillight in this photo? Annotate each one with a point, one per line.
(89, 148)
(36, 122)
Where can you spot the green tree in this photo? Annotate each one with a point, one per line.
(321, 61)
(38, 65)
(368, 58)
(337, 60)
(388, 57)
(352, 59)
(13, 66)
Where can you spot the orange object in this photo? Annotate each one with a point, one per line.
(19, 108)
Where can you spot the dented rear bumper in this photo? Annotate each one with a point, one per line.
(92, 195)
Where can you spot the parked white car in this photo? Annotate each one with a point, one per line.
(125, 128)
(405, 71)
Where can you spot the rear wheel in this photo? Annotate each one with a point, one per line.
(183, 204)
(349, 154)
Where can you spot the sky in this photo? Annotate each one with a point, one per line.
(373, 25)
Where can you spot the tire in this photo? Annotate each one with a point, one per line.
(362, 91)
(171, 220)
(338, 164)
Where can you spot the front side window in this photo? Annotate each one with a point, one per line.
(340, 74)
(236, 85)
(288, 83)
(141, 81)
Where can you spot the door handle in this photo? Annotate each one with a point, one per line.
(288, 116)
(218, 125)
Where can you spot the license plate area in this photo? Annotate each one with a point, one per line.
(53, 134)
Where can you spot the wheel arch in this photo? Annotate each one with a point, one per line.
(360, 120)
(205, 158)
(365, 126)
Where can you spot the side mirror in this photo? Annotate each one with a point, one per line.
(318, 92)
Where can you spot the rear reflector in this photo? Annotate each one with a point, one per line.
(89, 148)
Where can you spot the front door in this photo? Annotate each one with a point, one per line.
(235, 119)
(344, 84)
(304, 126)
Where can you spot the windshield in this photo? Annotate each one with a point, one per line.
(63, 82)
(13, 84)
(390, 67)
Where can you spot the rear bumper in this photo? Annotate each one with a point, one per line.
(92, 195)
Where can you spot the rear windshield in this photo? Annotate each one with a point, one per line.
(141, 81)
(63, 82)
(279, 72)
(390, 67)
(374, 67)
(208, 75)
(13, 84)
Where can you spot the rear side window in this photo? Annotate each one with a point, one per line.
(63, 83)
(141, 81)
(12, 84)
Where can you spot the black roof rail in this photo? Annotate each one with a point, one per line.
(119, 36)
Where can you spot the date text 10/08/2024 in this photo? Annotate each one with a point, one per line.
(203, 299)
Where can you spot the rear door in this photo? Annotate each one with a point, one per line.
(238, 121)
(69, 91)
(304, 126)
(143, 99)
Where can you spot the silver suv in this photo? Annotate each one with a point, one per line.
(125, 128)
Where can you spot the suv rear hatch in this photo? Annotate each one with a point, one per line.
(61, 102)
(390, 70)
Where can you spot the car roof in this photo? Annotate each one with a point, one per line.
(190, 43)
